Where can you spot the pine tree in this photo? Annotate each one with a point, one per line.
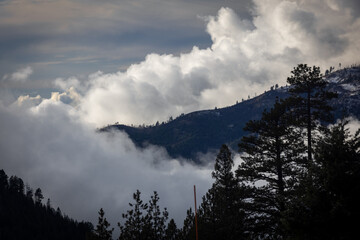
(135, 220)
(58, 212)
(48, 205)
(38, 196)
(144, 220)
(310, 98)
(272, 161)
(158, 219)
(328, 207)
(4, 184)
(188, 230)
(102, 230)
(207, 216)
(20, 218)
(172, 232)
(337, 160)
(16, 185)
(29, 192)
(220, 215)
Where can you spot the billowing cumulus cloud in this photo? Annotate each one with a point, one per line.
(73, 37)
(246, 57)
(26, 101)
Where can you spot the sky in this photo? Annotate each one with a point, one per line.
(68, 67)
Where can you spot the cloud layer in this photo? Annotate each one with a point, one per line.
(81, 170)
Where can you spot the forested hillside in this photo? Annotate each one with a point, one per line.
(24, 216)
(203, 131)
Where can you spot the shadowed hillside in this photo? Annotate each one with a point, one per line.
(204, 131)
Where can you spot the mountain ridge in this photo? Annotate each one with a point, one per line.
(200, 132)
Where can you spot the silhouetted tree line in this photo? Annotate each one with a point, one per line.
(299, 178)
(24, 216)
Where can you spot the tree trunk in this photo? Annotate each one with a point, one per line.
(310, 163)
(280, 175)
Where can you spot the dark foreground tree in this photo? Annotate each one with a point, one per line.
(144, 220)
(135, 220)
(38, 196)
(157, 218)
(310, 98)
(329, 207)
(188, 230)
(172, 232)
(103, 231)
(272, 162)
(22, 218)
(220, 215)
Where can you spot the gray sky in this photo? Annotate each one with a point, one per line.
(64, 38)
(139, 61)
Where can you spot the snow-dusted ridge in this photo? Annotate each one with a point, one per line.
(206, 130)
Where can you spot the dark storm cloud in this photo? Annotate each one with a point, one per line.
(352, 5)
(305, 19)
(331, 43)
(327, 39)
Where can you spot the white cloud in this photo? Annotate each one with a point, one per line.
(82, 170)
(22, 74)
(27, 102)
(246, 57)
(70, 96)
(66, 84)
(353, 125)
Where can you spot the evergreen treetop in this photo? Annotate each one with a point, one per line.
(102, 228)
(310, 102)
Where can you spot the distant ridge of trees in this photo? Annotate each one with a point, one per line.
(24, 216)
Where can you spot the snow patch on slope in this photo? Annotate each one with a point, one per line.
(350, 87)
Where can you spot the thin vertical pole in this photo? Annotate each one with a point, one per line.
(196, 228)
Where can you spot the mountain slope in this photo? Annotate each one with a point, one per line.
(204, 131)
(23, 216)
